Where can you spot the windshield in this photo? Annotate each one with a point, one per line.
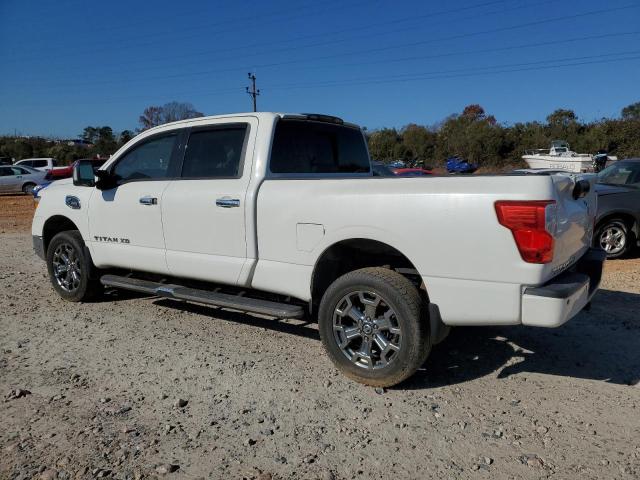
(621, 173)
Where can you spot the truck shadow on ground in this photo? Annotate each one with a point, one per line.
(601, 344)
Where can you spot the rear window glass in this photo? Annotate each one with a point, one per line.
(313, 147)
(39, 163)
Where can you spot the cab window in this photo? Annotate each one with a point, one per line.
(215, 153)
(305, 147)
(147, 161)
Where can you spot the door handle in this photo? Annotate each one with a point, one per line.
(149, 201)
(227, 202)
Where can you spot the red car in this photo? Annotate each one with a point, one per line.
(411, 172)
(67, 172)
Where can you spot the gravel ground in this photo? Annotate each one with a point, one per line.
(135, 387)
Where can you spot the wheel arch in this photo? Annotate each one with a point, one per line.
(54, 225)
(346, 255)
(627, 217)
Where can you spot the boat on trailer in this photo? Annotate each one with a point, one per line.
(561, 157)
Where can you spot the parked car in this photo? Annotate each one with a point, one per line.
(397, 164)
(67, 171)
(6, 161)
(618, 220)
(15, 179)
(36, 192)
(379, 169)
(279, 214)
(456, 164)
(412, 172)
(42, 164)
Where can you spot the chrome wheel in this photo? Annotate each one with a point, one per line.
(613, 239)
(366, 330)
(66, 267)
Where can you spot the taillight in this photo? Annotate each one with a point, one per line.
(533, 224)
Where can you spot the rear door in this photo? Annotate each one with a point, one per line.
(125, 222)
(203, 212)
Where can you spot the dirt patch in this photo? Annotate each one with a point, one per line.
(16, 213)
(93, 391)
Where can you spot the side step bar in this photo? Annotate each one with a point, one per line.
(179, 292)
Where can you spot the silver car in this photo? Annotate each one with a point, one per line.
(14, 179)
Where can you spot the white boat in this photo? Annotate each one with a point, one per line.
(560, 157)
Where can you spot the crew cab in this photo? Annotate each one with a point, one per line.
(281, 215)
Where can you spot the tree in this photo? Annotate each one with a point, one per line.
(562, 118)
(169, 112)
(382, 144)
(631, 112)
(419, 141)
(125, 136)
(90, 134)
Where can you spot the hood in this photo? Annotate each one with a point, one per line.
(602, 189)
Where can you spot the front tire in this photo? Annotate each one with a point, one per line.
(70, 268)
(614, 237)
(373, 325)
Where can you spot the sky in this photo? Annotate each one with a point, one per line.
(67, 64)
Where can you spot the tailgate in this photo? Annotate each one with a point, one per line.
(575, 219)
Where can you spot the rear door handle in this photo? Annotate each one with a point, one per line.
(149, 201)
(227, 202)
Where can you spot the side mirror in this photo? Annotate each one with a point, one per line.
(105, 180)
(83, 175)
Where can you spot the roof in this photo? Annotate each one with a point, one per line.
(265, 115)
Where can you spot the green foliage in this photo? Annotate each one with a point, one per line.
(480, 139)
(631, 112)
(102, 142)
(472, 134)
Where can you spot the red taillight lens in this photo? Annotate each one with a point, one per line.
(528, 222)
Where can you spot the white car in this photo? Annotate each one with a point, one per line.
(42, 164)
(280, 214)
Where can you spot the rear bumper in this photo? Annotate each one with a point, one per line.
(556, 302)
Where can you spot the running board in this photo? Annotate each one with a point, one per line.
(179, 292)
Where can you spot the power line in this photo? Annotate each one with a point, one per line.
(364, 51)
(246, 23)
(557, 63)
(251, 48)
(513, 67)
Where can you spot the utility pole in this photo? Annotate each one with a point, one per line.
(253, 92)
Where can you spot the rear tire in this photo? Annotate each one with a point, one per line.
(27, 188)
(70, 268)
(614, 237)
(373, 325)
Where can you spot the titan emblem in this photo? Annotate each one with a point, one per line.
(111, 239)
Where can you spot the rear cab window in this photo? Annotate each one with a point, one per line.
(215, 152)
(303, 147)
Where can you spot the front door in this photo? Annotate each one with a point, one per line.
(203, 212)
(125, 222)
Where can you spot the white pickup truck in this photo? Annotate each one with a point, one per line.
(281, 215)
